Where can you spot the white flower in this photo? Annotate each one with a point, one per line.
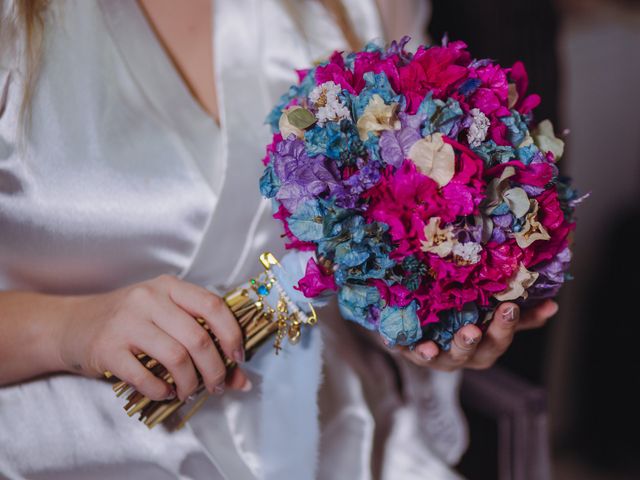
(467, 253)
(330, 108)
(478, 129)
(438, 240)
(434, 158)
(377, 117)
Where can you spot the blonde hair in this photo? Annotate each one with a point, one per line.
(23, 25)
(340, 16)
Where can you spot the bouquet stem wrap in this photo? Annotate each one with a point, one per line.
(264, 309)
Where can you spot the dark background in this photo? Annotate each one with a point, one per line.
(583, 58)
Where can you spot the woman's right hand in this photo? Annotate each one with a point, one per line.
(156, 317)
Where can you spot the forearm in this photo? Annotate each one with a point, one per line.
(31, 326)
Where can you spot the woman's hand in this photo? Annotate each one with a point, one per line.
(156, 317)
(470, 350)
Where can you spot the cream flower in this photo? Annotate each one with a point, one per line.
(435, 158)
(547, 141)
(377, 116)
(286, 128)
(438, 240)
(498, 191)
(518, 285)
(532, 229)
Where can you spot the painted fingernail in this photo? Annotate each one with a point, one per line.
(238, 355)
(247, 386)
(218, 389)
(426, 357)
(468, 341)
(171, 395)
(511, 314)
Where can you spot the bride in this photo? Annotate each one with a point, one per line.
(130, 139)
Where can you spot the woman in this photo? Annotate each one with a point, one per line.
(128, 172)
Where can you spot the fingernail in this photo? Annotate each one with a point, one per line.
(247, 386)
(218, 389)
(511, 314)
(426, 357)
(468, 341)
(171, 395)
(238, 355)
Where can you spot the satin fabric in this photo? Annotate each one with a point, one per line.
(121, 177)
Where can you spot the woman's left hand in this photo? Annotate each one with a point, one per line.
(471, 349)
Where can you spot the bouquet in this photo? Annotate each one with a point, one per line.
(416, 188)
(417, 182)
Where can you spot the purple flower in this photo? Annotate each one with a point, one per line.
(302, 177)
(552, 276)
(367, 176)
(395, 144)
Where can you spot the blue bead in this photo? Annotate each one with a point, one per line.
(263, 290)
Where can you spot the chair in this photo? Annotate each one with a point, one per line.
(519, 410)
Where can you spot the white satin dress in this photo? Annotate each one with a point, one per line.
(121, 177)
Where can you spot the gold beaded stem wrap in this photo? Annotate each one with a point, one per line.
(258, 321)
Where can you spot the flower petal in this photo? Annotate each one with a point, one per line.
(434, 158)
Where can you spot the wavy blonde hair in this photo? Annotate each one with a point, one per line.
(27, 16)
(22, 24)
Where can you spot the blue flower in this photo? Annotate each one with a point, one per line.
(269, 182)
(306, 221)
(438, 116)
(450, 322)
(493, 154)
(338, 141)
(355, 302)
(375, 84)
(400, 325)
(517, 129)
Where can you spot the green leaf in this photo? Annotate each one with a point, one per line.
(301, 118)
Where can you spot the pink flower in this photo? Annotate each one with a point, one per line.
(295, 243)
(315, 281)
(404, 200)
(396, 295)
(373, 62)
(335, 72)
(525, 104)
(271, 148)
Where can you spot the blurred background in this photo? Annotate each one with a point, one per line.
(583, 57)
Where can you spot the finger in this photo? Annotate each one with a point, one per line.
(464, 345)
(127, 367)
(238, 380)
(498, 336)
(423, 355)
(537, 317)
(159, 344)
(197, 345)
(200, 302)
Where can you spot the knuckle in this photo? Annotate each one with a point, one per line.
(140, 294)
(213, 303)
(483, 364)
(139, 380)
(166, 280)
(177, 355)
(200, 341)
(218, 376)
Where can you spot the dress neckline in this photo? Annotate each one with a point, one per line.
(152, 68)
